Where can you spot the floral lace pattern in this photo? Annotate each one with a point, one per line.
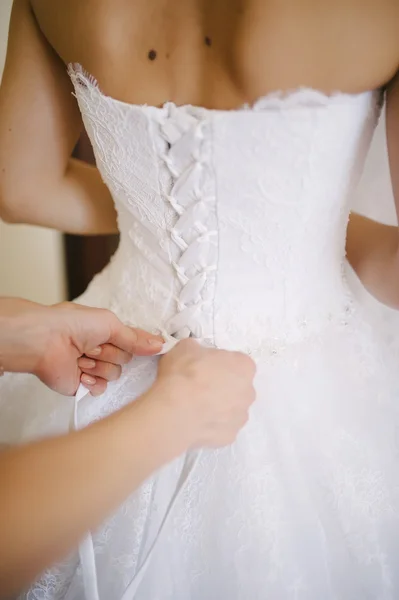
(233, 231)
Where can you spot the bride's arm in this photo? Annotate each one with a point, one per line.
(373, 248)
(39, 126)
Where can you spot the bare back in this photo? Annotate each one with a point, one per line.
(233, 227)
(222, 53)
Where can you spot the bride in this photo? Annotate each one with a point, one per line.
(232, 201)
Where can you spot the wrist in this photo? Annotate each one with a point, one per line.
(170, 398)
(162, 409)
(21, 335)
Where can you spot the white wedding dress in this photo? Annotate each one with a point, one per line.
(233, 231)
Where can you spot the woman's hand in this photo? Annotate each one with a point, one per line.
(206, 392)
(67, 344)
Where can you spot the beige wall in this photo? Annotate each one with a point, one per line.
(31, 259)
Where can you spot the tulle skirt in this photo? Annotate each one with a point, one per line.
(305, 504)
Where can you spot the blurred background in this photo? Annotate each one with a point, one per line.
(47, 267)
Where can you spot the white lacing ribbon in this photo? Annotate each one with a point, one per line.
(183, 135)
(86, 547)
(191, 266)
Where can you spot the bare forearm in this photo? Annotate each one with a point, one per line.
(373, 252)
(78, 203)
(39, 183)
(56, 490)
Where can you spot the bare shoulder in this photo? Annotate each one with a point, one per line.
(221, 53)
(349, 45)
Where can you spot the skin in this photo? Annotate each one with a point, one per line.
(201, 398)
(67, 344)
(214, 53)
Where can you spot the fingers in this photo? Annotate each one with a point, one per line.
(103, 364)
(102, 323)
(243, 364)
(96, 385)
(111, 354)
(96, 373)
(187, 347)
(225, 433)
(135, 341)
(105, 370)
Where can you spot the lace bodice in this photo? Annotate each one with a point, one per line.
(233, 230)
(232, 222)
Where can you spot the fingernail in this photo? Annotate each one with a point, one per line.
(87, 379)
(155, 343)
(95, 352)
(87, 363)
